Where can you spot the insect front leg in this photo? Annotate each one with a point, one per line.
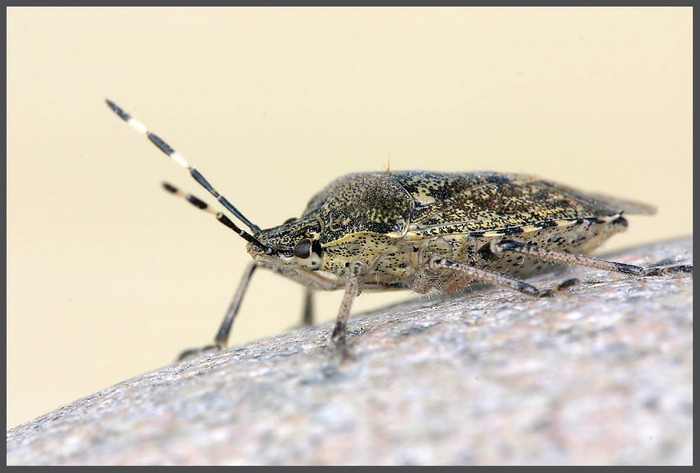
(221, 338)
(529, 249)
(352, 290)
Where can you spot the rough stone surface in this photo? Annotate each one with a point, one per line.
(601, 374)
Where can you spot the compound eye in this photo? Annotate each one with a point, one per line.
(303, 248)
(289, 220)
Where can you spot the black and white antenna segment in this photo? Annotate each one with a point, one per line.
(178, 158)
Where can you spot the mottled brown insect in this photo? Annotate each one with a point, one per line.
(424, 231)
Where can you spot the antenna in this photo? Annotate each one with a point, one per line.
(197, 176)
(200, 204)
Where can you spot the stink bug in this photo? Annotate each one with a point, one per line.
(422, 231)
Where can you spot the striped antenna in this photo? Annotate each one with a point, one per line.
(201, 205)
(178, 158)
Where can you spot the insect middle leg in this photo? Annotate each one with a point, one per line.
(483, 275)
(307, 315)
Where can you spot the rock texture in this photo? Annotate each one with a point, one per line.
(600, 374)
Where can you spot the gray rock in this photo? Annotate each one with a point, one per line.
(600, 374)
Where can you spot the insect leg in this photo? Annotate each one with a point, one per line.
(222, 334)
(221, 338)
(581, 260)
(485, 276)
(307, 315)
(341, 323)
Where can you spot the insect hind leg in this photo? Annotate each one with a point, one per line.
(530, 249)
(666, 269)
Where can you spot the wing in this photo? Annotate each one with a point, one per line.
(485, 201)
(601, 201)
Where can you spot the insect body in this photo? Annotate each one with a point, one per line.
(423, 231)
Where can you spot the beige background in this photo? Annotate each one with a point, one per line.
(109, 277)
